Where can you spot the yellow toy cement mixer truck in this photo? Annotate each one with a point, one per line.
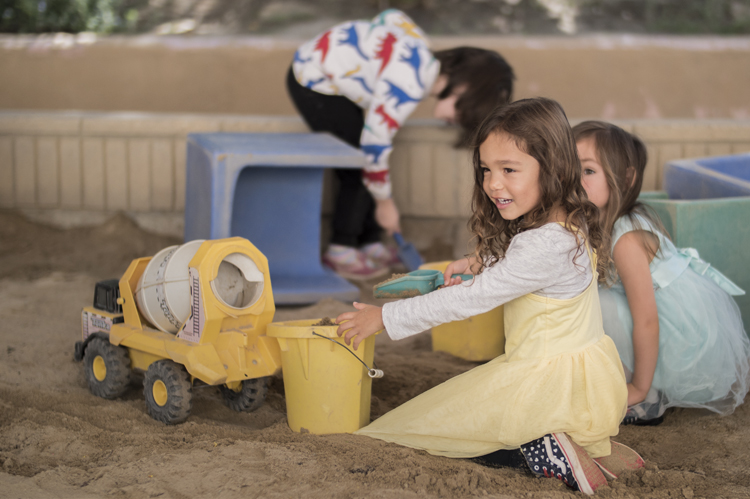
(193, 314)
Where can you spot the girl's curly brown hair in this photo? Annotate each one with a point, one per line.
(623, 158)
(539, 128)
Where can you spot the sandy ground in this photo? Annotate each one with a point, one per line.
(58, 440)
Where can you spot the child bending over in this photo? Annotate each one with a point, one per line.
(360, 81)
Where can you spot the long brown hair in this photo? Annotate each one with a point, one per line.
(623, 158)
(488, 79)
(539, 128)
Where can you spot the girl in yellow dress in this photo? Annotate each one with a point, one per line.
(558, 394)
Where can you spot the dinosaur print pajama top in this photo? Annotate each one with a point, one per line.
(384, 66)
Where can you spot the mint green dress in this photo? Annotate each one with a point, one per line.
(704, 353)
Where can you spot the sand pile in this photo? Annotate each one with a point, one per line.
(58, 440)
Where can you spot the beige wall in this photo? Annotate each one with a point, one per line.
(611, 77)
(106, 162)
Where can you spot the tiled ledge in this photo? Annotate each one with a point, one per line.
(84, 162)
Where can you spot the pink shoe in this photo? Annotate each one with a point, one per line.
(584, 468)
(556, 456)
(381, 254)
(351, 263)
(622, 459)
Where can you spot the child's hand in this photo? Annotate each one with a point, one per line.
(462, 266)
(359, 325)
(387, 216)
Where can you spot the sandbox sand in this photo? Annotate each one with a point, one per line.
(58, 440)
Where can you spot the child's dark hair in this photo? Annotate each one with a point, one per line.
(539, 128)
(488, 79)
(623, 158)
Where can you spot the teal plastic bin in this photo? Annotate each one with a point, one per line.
(718, 228)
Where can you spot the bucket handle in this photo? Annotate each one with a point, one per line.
(373, 373)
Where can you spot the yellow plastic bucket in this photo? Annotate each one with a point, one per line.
(481, 337)
(327, 389)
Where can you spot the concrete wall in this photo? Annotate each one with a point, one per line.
(73, 167)
(610, 77)
(686, 96)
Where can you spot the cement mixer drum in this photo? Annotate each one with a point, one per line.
(163, 291)
(239, 283)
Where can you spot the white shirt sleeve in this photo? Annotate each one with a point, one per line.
(538, 260)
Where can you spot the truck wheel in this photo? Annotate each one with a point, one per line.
(168, 392)
(249, 397)
(107, 368)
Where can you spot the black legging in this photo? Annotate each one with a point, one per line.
(354, 211)
(512, 458)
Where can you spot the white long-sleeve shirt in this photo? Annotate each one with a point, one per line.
(538, 261)
(385, 67)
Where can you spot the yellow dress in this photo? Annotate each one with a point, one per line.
(560, 373)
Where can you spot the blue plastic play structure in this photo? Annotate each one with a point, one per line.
(267, 187)
(706, 178)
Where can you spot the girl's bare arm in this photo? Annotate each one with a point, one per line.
(632, 260)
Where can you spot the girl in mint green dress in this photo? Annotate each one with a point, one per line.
(677, 328)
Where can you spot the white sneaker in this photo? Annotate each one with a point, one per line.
(382, 254)
(351, 263)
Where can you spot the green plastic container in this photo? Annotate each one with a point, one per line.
(718, 228)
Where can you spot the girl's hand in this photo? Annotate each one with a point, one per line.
(462, 266)
(635, 395)
(387, 216)
(359, 325)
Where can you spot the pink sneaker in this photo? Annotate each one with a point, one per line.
(382, 254)
(622, 459)
(351, 263)
(556, 456)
